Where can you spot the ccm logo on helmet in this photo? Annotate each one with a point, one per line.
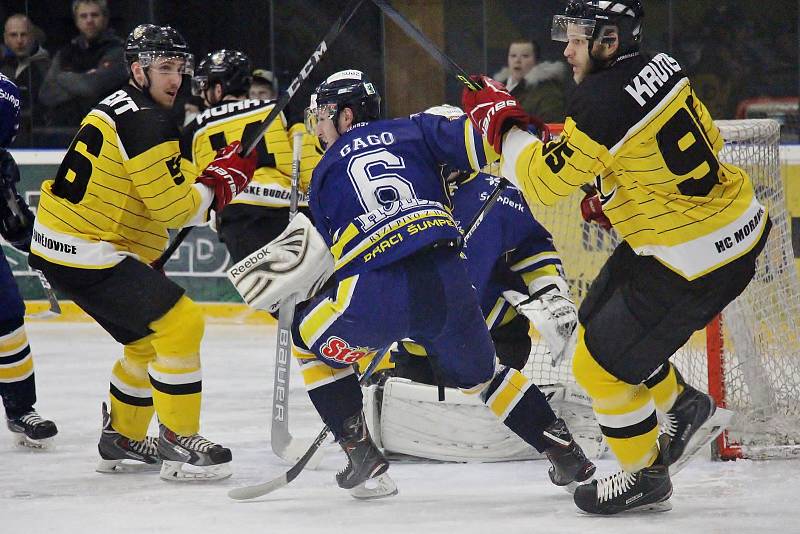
(337, 349)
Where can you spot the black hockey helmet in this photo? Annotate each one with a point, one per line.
(344, 89)
(591, 19)
(230, 68)
(147, 42)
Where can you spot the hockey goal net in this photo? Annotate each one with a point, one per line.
(748, 358)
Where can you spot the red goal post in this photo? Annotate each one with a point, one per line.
(748, 359)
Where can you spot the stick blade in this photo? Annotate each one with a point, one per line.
(246, 493)
(293, 450)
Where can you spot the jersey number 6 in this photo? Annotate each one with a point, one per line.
(378, 189)
(73, 188)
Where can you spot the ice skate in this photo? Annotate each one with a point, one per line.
(30, 430)
(692, 424)
(569, 464)
(119, 454)
(647, 490)
(365, 474)
(192, 458)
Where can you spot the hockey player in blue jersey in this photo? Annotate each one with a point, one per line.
(515, 268)
(383, 221)
(17, 382)
(517, 273)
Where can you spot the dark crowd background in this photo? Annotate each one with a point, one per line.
(741, 55)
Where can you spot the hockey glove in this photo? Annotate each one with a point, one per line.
(297, 262)
(592, 209)
(493, 111)
(553, 314)
(228, 174)
(16, 218)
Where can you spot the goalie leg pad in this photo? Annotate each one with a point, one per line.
(297, 262)
(411, 421)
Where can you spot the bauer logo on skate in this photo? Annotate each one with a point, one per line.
(337, 349)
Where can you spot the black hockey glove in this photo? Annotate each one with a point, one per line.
(16, 218)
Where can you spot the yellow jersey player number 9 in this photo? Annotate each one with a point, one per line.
(260, 212)
(103, 220)
(691, 226)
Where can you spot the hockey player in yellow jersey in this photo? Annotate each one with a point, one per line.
(261, 212)
(103, 220)
(691, 229)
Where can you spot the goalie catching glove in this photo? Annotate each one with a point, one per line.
(297, 262)
(228, 174)
(552, 313)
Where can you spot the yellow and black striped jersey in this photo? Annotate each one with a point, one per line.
(639, 133)
(119, 188)
(230, 121)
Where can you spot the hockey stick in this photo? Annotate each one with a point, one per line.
(422, 40)
(477, 219)
(250, 144)
(281, 440)
(55, 308)
(258, 490)
(443, 59)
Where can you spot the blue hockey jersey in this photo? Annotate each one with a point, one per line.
(377, 195)
(507, 251)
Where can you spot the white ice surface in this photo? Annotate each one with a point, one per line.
(59, 491)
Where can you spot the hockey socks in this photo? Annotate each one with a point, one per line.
(520, 405)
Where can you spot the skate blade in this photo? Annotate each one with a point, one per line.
(125, 466)
(183, 472)
(708, 432)
(24, 442)
(663, 506)
(375, 488)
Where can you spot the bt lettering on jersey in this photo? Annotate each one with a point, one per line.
(337, 349)
(120, 102)
(740, 234)
(52, 244)
(652, 77)
(383, 138)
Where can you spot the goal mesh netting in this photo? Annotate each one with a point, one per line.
(750, 359)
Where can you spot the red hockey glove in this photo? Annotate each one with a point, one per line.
(228, 174)
(592, 210)
(492, 110)
(539, 128)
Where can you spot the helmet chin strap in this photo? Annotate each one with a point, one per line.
(145, 89)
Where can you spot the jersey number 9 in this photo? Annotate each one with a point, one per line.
(686, 150)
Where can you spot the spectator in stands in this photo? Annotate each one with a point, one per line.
(25, 62)
(538, 86)
(263, 86)
(88, 68)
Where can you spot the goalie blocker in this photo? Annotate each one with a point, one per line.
(297, 262)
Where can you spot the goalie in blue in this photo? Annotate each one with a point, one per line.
(382, 209)
(17, 381)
